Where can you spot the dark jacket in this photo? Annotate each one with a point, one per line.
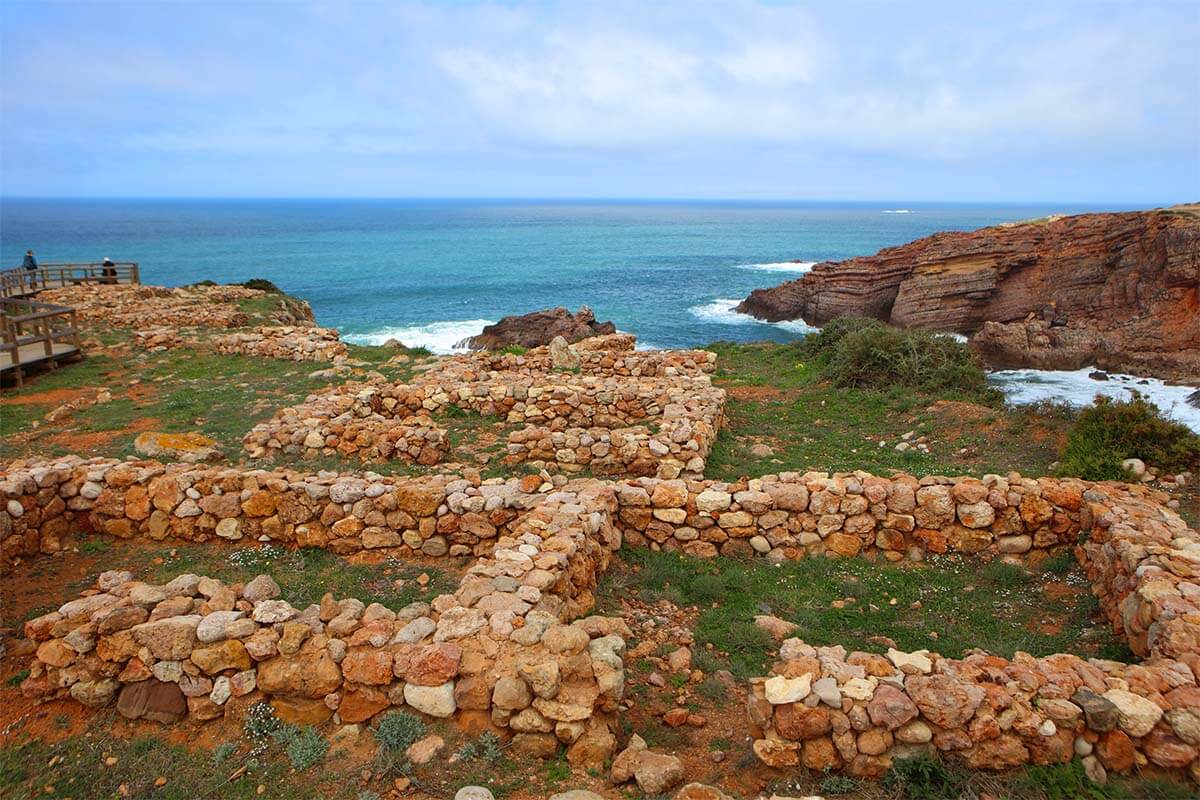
(30, 262)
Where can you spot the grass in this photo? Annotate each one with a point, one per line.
(959, 605)
(80, 771)
(778, 398)
(174, 391)
(303, 575)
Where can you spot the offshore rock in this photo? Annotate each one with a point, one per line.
(538, 328)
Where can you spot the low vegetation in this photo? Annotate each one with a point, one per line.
(861, 353)
(949, 605)
(1112, 430)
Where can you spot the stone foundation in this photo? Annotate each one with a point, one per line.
(615, 411)
(142, 306)
(541, 543)
(826, 709)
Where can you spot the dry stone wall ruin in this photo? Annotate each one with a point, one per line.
(514, 647)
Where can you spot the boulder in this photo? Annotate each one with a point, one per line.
(538, 329)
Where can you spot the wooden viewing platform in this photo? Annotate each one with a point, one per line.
(35, 333)
(21, 282)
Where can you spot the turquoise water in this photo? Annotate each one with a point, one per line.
(432, 272)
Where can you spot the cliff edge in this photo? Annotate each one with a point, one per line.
(1119, 290)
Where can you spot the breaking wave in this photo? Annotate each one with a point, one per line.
(439, 337)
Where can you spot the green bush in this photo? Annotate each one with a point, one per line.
(486, 748)
(1110, 431)
(513, 349)
(924, 777)
(262, 284)
(862, 353)
(399, 729)
(305, 747)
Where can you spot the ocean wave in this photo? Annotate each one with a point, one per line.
(439, 337)
(897, 211)
(1077, 389)
(780, 266)
(721, 311)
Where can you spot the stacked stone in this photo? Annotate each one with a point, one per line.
(198, 648)
(46, 501)
(857, 712)
(792, 515)
(354, 420)
(159, 339)
(639, 413)
(142, 307)
(1144, 564)
(286, 342)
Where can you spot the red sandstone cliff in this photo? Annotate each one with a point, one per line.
(1118, 290)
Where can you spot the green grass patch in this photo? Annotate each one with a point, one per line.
(303, 575)
(948, 605)
(779, 397)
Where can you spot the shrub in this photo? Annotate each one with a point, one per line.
(513, 349)
(399, 729)
(1110, 431)
(857, 352)
(304, 746)
(486, 748)
(924, 777)
(262, 284)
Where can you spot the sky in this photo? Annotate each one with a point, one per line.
(926, 101)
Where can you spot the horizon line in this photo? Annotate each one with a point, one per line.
(603, 199)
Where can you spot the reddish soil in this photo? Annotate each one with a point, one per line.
(51, 397)
(92, 441)
(754, 393)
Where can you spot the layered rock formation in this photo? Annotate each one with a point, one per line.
(538, 328)
(1118, 290)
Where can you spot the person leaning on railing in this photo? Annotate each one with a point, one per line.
(109, 271)
(30, 265)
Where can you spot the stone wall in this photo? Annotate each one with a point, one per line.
(144, 306)
(197, 648)
(827, 709)
(285, 342)
(792, 515)
(615, 412)
(1144, 564)
(541, 542)
(501, 651)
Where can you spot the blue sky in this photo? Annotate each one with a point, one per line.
(1007, 101)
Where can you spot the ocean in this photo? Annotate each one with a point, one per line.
(432, 272)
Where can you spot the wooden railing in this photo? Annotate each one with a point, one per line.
(21, 282)
(32, 332)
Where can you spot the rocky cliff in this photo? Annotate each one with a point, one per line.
(1118, 290)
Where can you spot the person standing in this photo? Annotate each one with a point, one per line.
(30, 265)
(109, 271)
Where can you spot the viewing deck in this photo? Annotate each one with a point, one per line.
(21, 282)
(35, 333)
(43, 334)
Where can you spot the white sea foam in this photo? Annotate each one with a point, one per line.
(897, 211)
(780, 266)
(721, 311)
(1076, 388)
(439, 337)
